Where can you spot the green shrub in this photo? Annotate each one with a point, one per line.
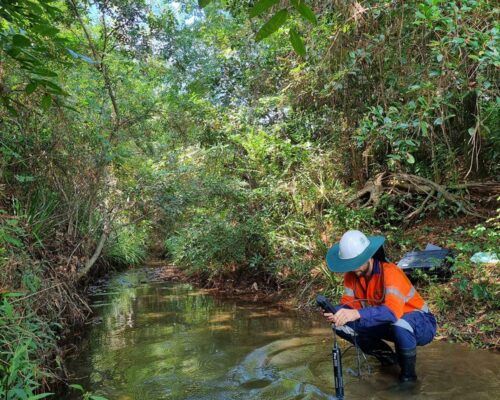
(478, 282)
(25, 343)
(128, 245)
(214, 242)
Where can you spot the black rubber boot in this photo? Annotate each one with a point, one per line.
(380, 350)
(407, 360)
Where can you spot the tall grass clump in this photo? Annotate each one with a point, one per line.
(26, 344)
(216, 245)
(128, 245)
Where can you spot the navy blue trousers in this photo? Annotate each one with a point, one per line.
(411, 330)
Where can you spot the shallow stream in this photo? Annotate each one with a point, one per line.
(154, 340)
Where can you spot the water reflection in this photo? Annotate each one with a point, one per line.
(160, 341)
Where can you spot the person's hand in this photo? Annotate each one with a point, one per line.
(344, 315)
(329, 317)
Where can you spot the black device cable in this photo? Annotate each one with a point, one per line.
(355, 344)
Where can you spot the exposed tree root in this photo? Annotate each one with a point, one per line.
(403, 186)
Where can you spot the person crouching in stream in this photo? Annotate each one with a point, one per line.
(379, 303)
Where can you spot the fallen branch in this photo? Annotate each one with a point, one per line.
(399, 185)
(97, 252)
(35, 293)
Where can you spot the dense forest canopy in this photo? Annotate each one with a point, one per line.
(238, 138)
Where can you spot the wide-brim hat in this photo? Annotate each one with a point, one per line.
(353, 250)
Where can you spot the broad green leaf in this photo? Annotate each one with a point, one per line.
(40, 396)
(204, 3)
(53, 11)
(24, 178)
(12, 240)
(18, 392)
(272, 25)
(77, 387)
(12, 110)
(44, 72)
(410, 159)
(423, 126)
(20, 41)
(47, 30)
(35, 7)
(68, 107)
(30, 87)
(51, 86)
(46, 101)
(261, 6)
(8, 310)
(305, 11)
(30, 58)
(13, 294)
(92, 397)
(297, 43)
(13, 51)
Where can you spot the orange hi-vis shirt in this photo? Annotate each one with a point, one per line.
(388, 285)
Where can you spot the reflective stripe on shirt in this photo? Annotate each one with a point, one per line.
(425, 308)
(395, 291)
